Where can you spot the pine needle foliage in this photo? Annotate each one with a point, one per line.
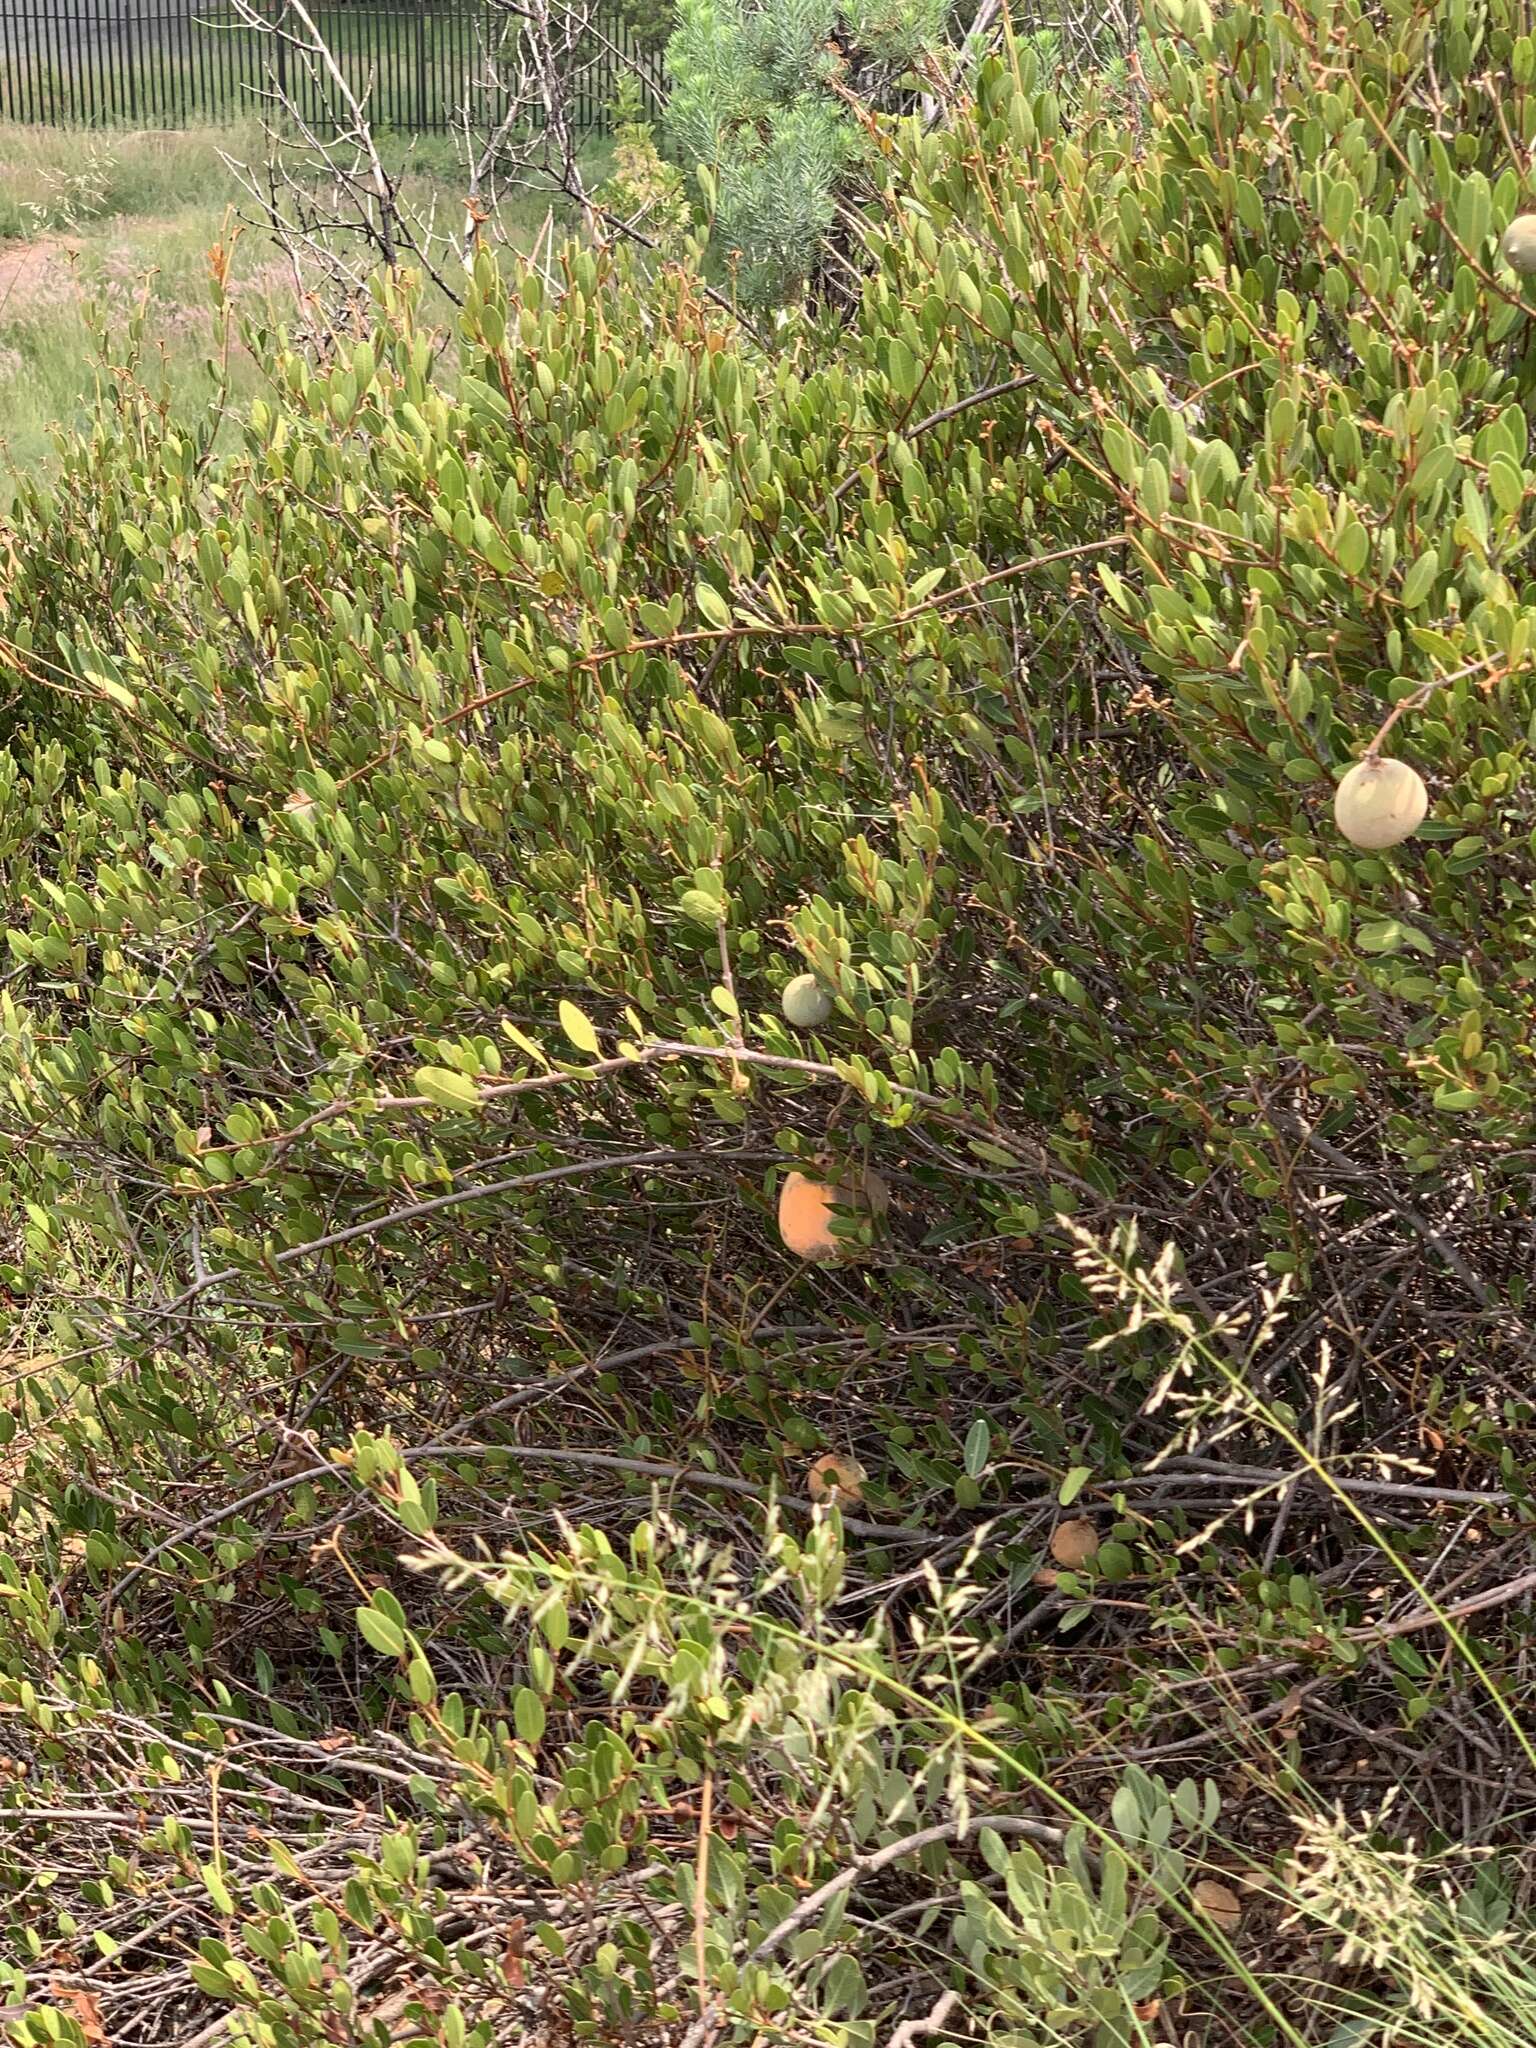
(759, 112)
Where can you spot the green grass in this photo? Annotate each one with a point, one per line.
(48, 175)
(111, 222)
(114, 220)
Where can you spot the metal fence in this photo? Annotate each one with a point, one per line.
(169, 63)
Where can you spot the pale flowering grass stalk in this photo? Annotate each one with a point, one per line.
(1434, 1926)
(1453, 1961)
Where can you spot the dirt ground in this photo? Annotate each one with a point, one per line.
(34, 270)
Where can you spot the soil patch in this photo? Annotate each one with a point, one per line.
(35, 273)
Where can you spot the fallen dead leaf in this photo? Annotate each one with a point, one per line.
(84, 2010)
(512, 1964)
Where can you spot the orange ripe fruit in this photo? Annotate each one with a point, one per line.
(806, 1209)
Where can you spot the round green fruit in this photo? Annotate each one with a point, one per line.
(806, 1003)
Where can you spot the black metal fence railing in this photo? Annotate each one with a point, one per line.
(169, 63)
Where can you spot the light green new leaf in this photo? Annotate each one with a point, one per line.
(578, 1028)
(385, 1636)
(446, 1088)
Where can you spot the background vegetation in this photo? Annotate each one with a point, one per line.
(428, 1611)
(92, 230)
(103, 230)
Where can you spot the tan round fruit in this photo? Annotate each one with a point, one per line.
(806, 1003)
(834, 1478)
(1518, 247)
(1219, 1903)
(1074, 1543)
(1380, 802)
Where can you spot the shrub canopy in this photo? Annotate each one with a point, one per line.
(410, 820)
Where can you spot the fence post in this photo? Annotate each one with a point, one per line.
(64, 62)
(421, 66)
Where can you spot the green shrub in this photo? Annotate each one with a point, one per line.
(643, 190)
(410, 822)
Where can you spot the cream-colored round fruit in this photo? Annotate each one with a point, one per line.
(1519, 244)
(1380, 802)
(806, 1003)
